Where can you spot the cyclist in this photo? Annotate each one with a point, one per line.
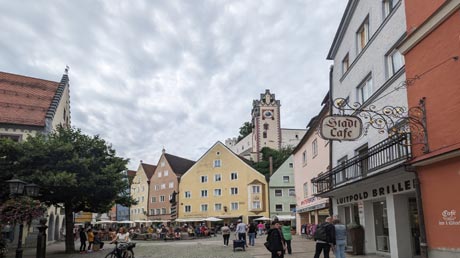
(121, 237)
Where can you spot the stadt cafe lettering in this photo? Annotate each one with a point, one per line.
(342, 128)
(399, 187)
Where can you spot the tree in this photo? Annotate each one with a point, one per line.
(245, 130)
(78, 171)
(278, 156)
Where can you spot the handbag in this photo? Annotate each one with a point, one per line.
(267, 245)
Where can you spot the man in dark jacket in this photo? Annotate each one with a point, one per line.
(276, 240)
(324, 245)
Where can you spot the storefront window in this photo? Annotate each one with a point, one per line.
(381, 226)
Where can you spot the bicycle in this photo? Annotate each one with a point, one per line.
(122, 250)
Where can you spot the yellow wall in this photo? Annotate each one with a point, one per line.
(139, 192)
(191, 182)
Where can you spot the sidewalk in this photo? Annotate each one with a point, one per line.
(301, 248)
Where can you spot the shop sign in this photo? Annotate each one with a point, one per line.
(309, 200)
(404, 186)
(449, 218)
(342, 128)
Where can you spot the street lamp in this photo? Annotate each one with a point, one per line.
(17, 188)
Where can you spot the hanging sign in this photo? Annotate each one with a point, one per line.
(341, 128)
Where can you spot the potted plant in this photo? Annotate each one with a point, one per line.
(356, 233)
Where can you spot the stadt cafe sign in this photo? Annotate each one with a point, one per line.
(341, 128)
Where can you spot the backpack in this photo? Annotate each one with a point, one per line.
(321, 232)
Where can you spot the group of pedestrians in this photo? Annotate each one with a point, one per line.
(91, 237)
(330, 235)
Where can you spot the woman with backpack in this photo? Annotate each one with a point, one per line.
(275, 239)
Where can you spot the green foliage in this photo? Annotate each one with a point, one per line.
(279, 157)
(81, 171)
(245, 130)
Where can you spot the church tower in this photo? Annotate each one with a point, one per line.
(266, 130)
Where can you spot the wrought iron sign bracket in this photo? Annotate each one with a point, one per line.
(393, 120)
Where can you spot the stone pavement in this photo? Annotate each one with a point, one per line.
(200, 248)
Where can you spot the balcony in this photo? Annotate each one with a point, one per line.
(388, 152)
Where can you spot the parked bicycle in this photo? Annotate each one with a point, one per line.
(122, 250)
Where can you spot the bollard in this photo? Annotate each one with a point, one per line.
(41, 239)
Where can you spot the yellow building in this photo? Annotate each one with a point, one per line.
(223, 185)
(140, 191)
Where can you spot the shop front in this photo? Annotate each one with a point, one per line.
(385, 206)
(314, 210)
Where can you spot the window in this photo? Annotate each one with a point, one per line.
(163, 210)
(171, 184)
(345, 64)
(292, 192)
(217, 163)
(162, 164)
(159, 174)
(395, 62)
(256, 204)
(234, 190)
(365, 90)
(152, 211)
(278, 207)
(265, 126)
(234, 206)
(278, 192)
(339, 177)
(292, 207)
(187, 194)
(291, 165)
(158, 211)
(233, 176)
(154, 199)
(204, 193)
(363, 35)
(204, 207)
(217, 192)
(188, 208)
(264, 135)
(388, 6)
(157, 187)
(217, 178)
(314, 147)
(304, 157)
(217, 207)
(285, 179)
(166, 173)
(162, 198)
(143, 188)
(204, 179)
(142, 199)
(256, 189)
(305, 190)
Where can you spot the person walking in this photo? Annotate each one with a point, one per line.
(325, 238)
(276, 241)
(90, 235)
(340, 238)
(241, 229)
(286, 230)
(261, 228)
(83, 238)
(252, 233)
(225, 233)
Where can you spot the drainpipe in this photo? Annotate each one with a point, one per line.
(331, 71)
(421, 216)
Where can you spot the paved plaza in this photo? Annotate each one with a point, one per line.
(197, 248)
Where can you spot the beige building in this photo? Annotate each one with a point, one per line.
(266, 130)
(29, 106)
(221, 184)
(164, 182)
(140, 191)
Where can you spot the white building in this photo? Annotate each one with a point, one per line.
(367, 182)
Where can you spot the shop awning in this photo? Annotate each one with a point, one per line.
(284, 217)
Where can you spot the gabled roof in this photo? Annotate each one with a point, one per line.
(28, 101)
(132, 173)
(148, 169)
(179, 165)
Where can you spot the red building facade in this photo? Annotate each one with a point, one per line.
(431, 51)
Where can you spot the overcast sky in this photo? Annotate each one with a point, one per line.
(178, 74)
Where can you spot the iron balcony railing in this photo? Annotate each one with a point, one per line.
(387, 152)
